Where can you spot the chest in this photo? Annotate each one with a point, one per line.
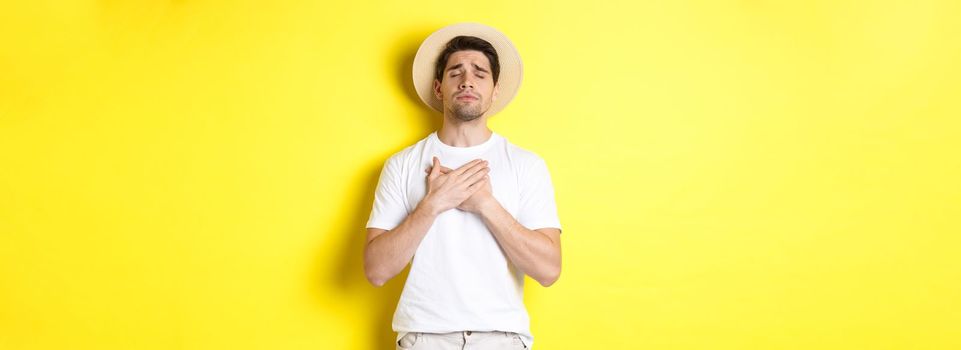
(503, 175)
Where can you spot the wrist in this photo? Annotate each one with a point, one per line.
(427, 207)
(487, 206)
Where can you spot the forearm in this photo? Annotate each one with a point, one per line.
(530, 251)
(388, 254)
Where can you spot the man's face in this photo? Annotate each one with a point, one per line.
(468, 87)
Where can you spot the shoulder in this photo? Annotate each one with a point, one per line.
(399, 157)
(407, 155)
(524, 157)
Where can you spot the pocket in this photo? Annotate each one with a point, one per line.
(407, 341)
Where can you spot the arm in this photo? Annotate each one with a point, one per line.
(535, 252)
(388, 252)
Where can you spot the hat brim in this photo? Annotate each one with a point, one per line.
(511, 69)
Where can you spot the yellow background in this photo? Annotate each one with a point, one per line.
(729, 174)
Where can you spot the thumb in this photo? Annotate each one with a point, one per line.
(434, 170)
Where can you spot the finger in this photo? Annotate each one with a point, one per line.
(466, 166)
(478, 185)
(470, 168)
(477, 176)
(474, 169)
(443, 169)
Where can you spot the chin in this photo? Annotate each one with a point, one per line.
(467, 119)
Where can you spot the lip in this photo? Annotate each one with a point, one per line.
(466, 97)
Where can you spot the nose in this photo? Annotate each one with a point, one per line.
(466, 83)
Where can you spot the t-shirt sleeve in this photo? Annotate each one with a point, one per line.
(389, 209)
(537, 206)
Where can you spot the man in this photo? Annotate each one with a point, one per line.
(470, 211)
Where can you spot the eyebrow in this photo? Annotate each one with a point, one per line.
(475, 66)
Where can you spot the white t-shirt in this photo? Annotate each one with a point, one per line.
(460, 279)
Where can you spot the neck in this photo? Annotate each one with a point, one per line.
(459, 133)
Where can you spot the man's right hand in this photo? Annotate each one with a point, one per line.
(446, 191)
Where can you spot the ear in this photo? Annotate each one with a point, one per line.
(497, 87)
(437, 93)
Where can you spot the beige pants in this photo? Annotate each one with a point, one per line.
(467, 340)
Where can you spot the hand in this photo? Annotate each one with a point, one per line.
(473, 203)
(450, 189)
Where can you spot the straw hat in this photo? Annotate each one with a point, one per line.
(511, 69)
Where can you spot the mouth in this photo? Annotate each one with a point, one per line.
(466, 98)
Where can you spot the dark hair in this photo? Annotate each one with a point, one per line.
(461, 43)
